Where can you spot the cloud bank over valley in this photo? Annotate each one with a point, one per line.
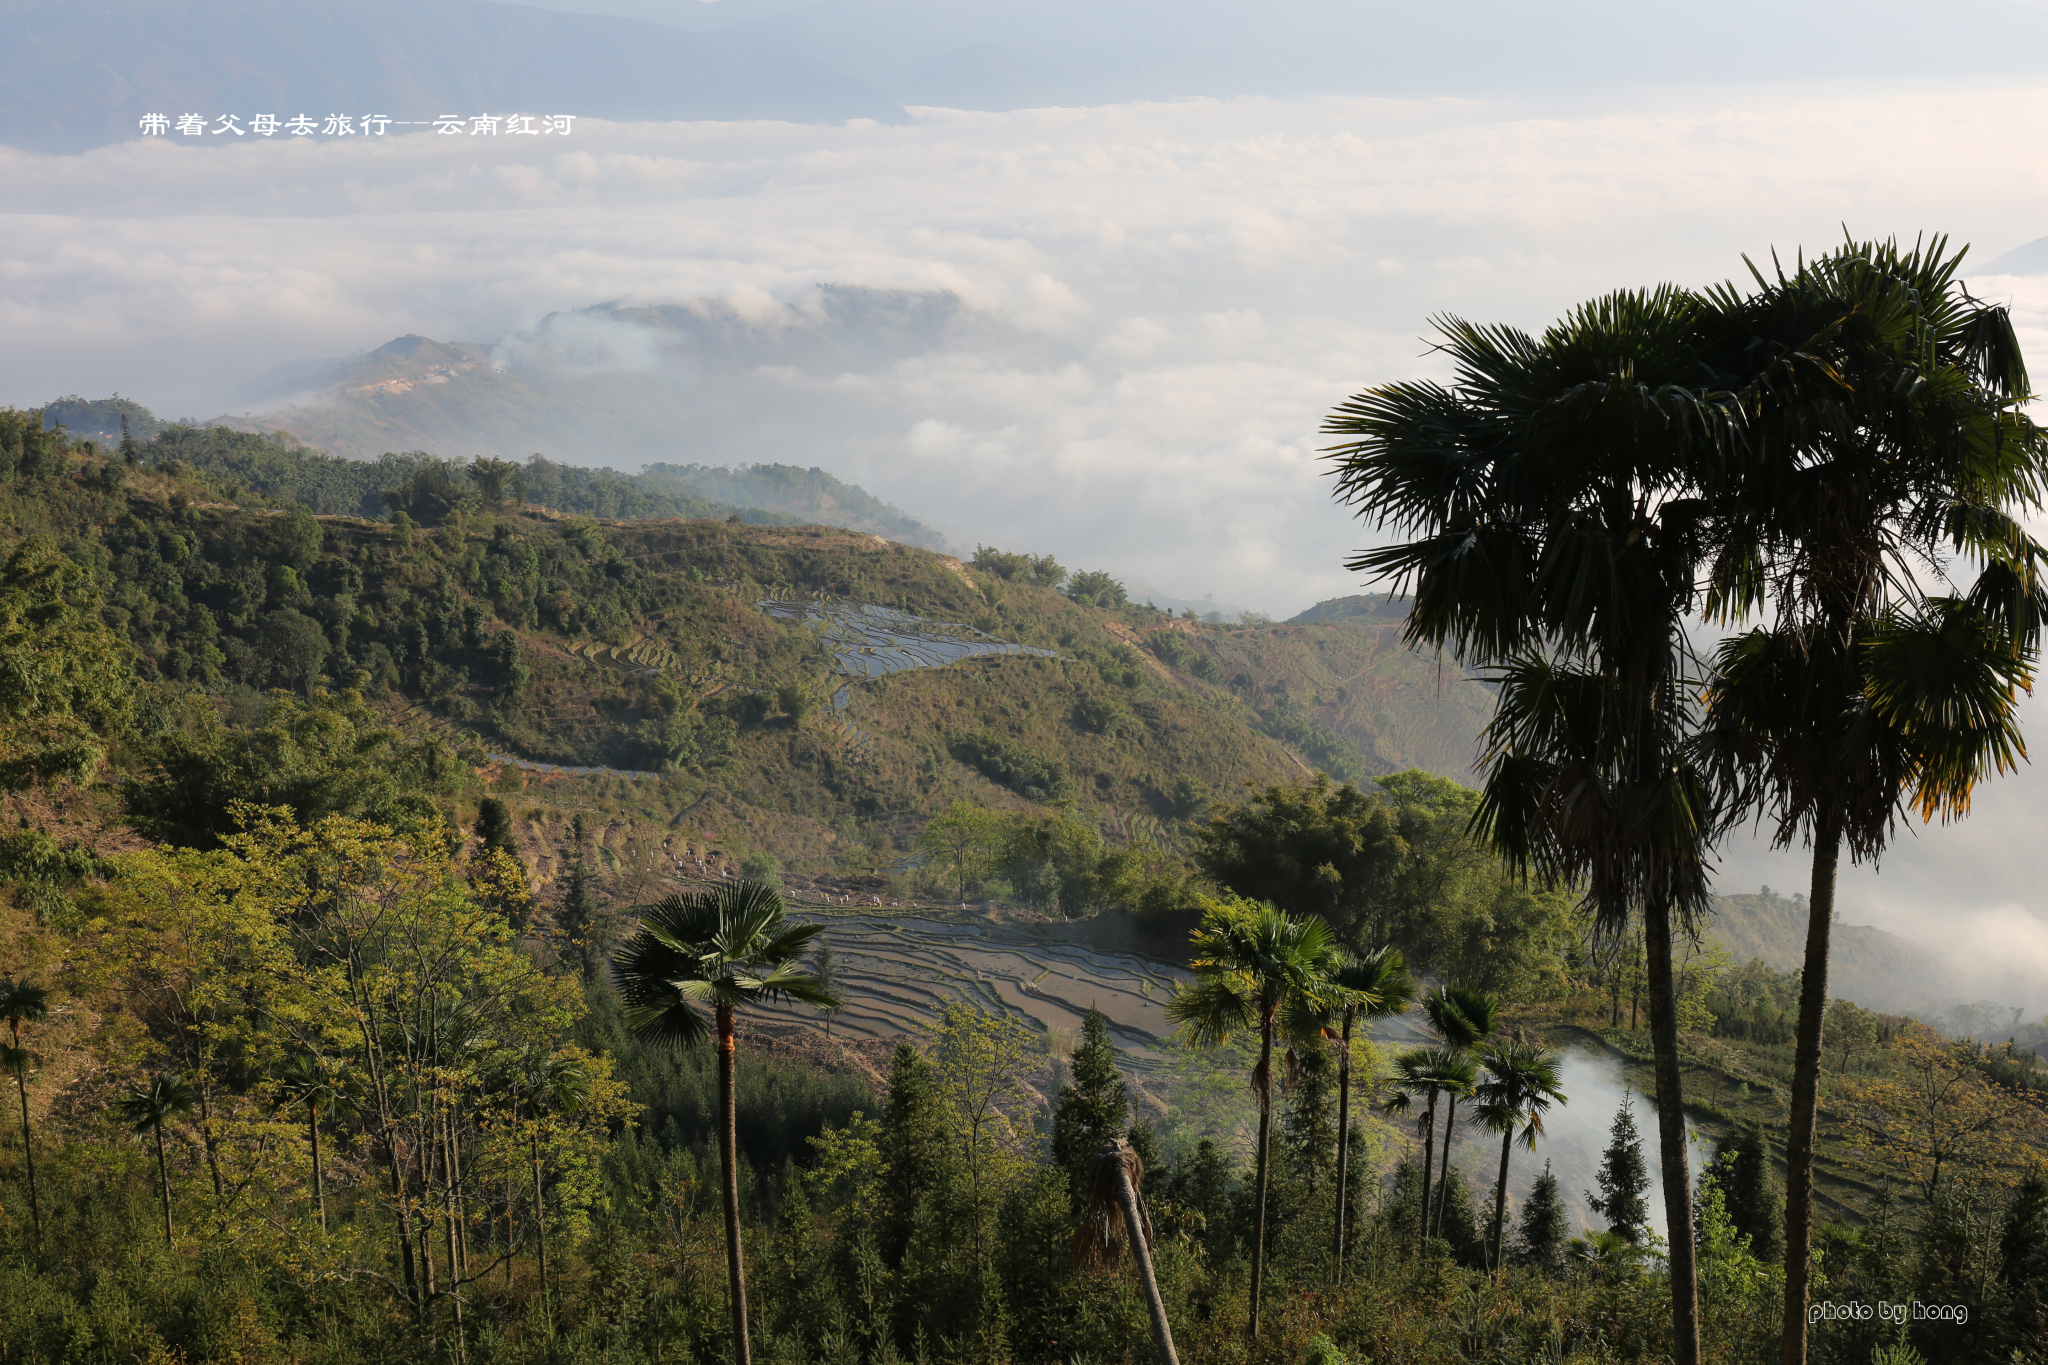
(1134, 316)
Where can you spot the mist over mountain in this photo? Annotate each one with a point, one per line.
(74, 77)
(706, 381)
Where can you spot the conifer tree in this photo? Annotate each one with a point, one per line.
(917, 1147)
(1543, 1230)
(494, 826)
(1742, 1169)
(1093, 1106)
(577, 919)
(1624, 1179)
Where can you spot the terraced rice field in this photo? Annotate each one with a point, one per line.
(898, 969)
(869, 641)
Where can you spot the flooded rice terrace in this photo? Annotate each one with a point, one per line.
(870, 641)
(897, 969)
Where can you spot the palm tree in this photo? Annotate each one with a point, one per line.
(1426, 1072)
(1552, 506)
(1464, 1018)
(1378, 987)
(317, 1083)
(23, 1002)
(1522, 1083)
(1115, 1184)
(1887, 421)
(147, 1110)
(726, 947)
(1251, 964)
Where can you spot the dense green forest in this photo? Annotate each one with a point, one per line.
(346, 1026)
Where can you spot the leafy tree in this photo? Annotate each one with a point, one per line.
(1006, 762)
(1544, 1228)
(23, 1002)
(728, 947)
(1624, 1178)
(1042, 570)
(65, 685)
(1522, 1082)
(1591, 445)
(146, 1110)
(967, 838)
(324, 756)
(1252, 963)
(1096, 589)
(1093, 1106)
(1327, 850)
(541, 1084)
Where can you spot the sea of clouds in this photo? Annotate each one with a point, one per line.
(1208, 278)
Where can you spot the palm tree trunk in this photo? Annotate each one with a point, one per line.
(1443, 1184)
(1343, 1148)
(1685, 1305)
(1264, 1076)
(163, 1179)
(1141, 1251)
(728, 1170)
(28, 1152)
(1428, 1172)
(319, 1186)
(1813, 1004)
(1500, 1202)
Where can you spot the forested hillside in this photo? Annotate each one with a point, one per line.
(351, 1016)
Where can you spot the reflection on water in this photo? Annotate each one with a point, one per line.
(1574, 1138)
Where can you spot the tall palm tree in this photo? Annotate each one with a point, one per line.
(23, 1002)
(1424, 1073)
(147, 1110)
(317, 1084)
(1465, 1019)
(1550, 504)
(1251, 965)
(725, 947)
(1115, 1212)
(1522, 1082)
(1886, 420)
(1377, 986)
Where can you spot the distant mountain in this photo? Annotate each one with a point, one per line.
(75, 76)
(1877, 970)
(2031, 259)
(692, 383)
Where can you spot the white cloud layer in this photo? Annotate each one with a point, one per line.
(1209, 278)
